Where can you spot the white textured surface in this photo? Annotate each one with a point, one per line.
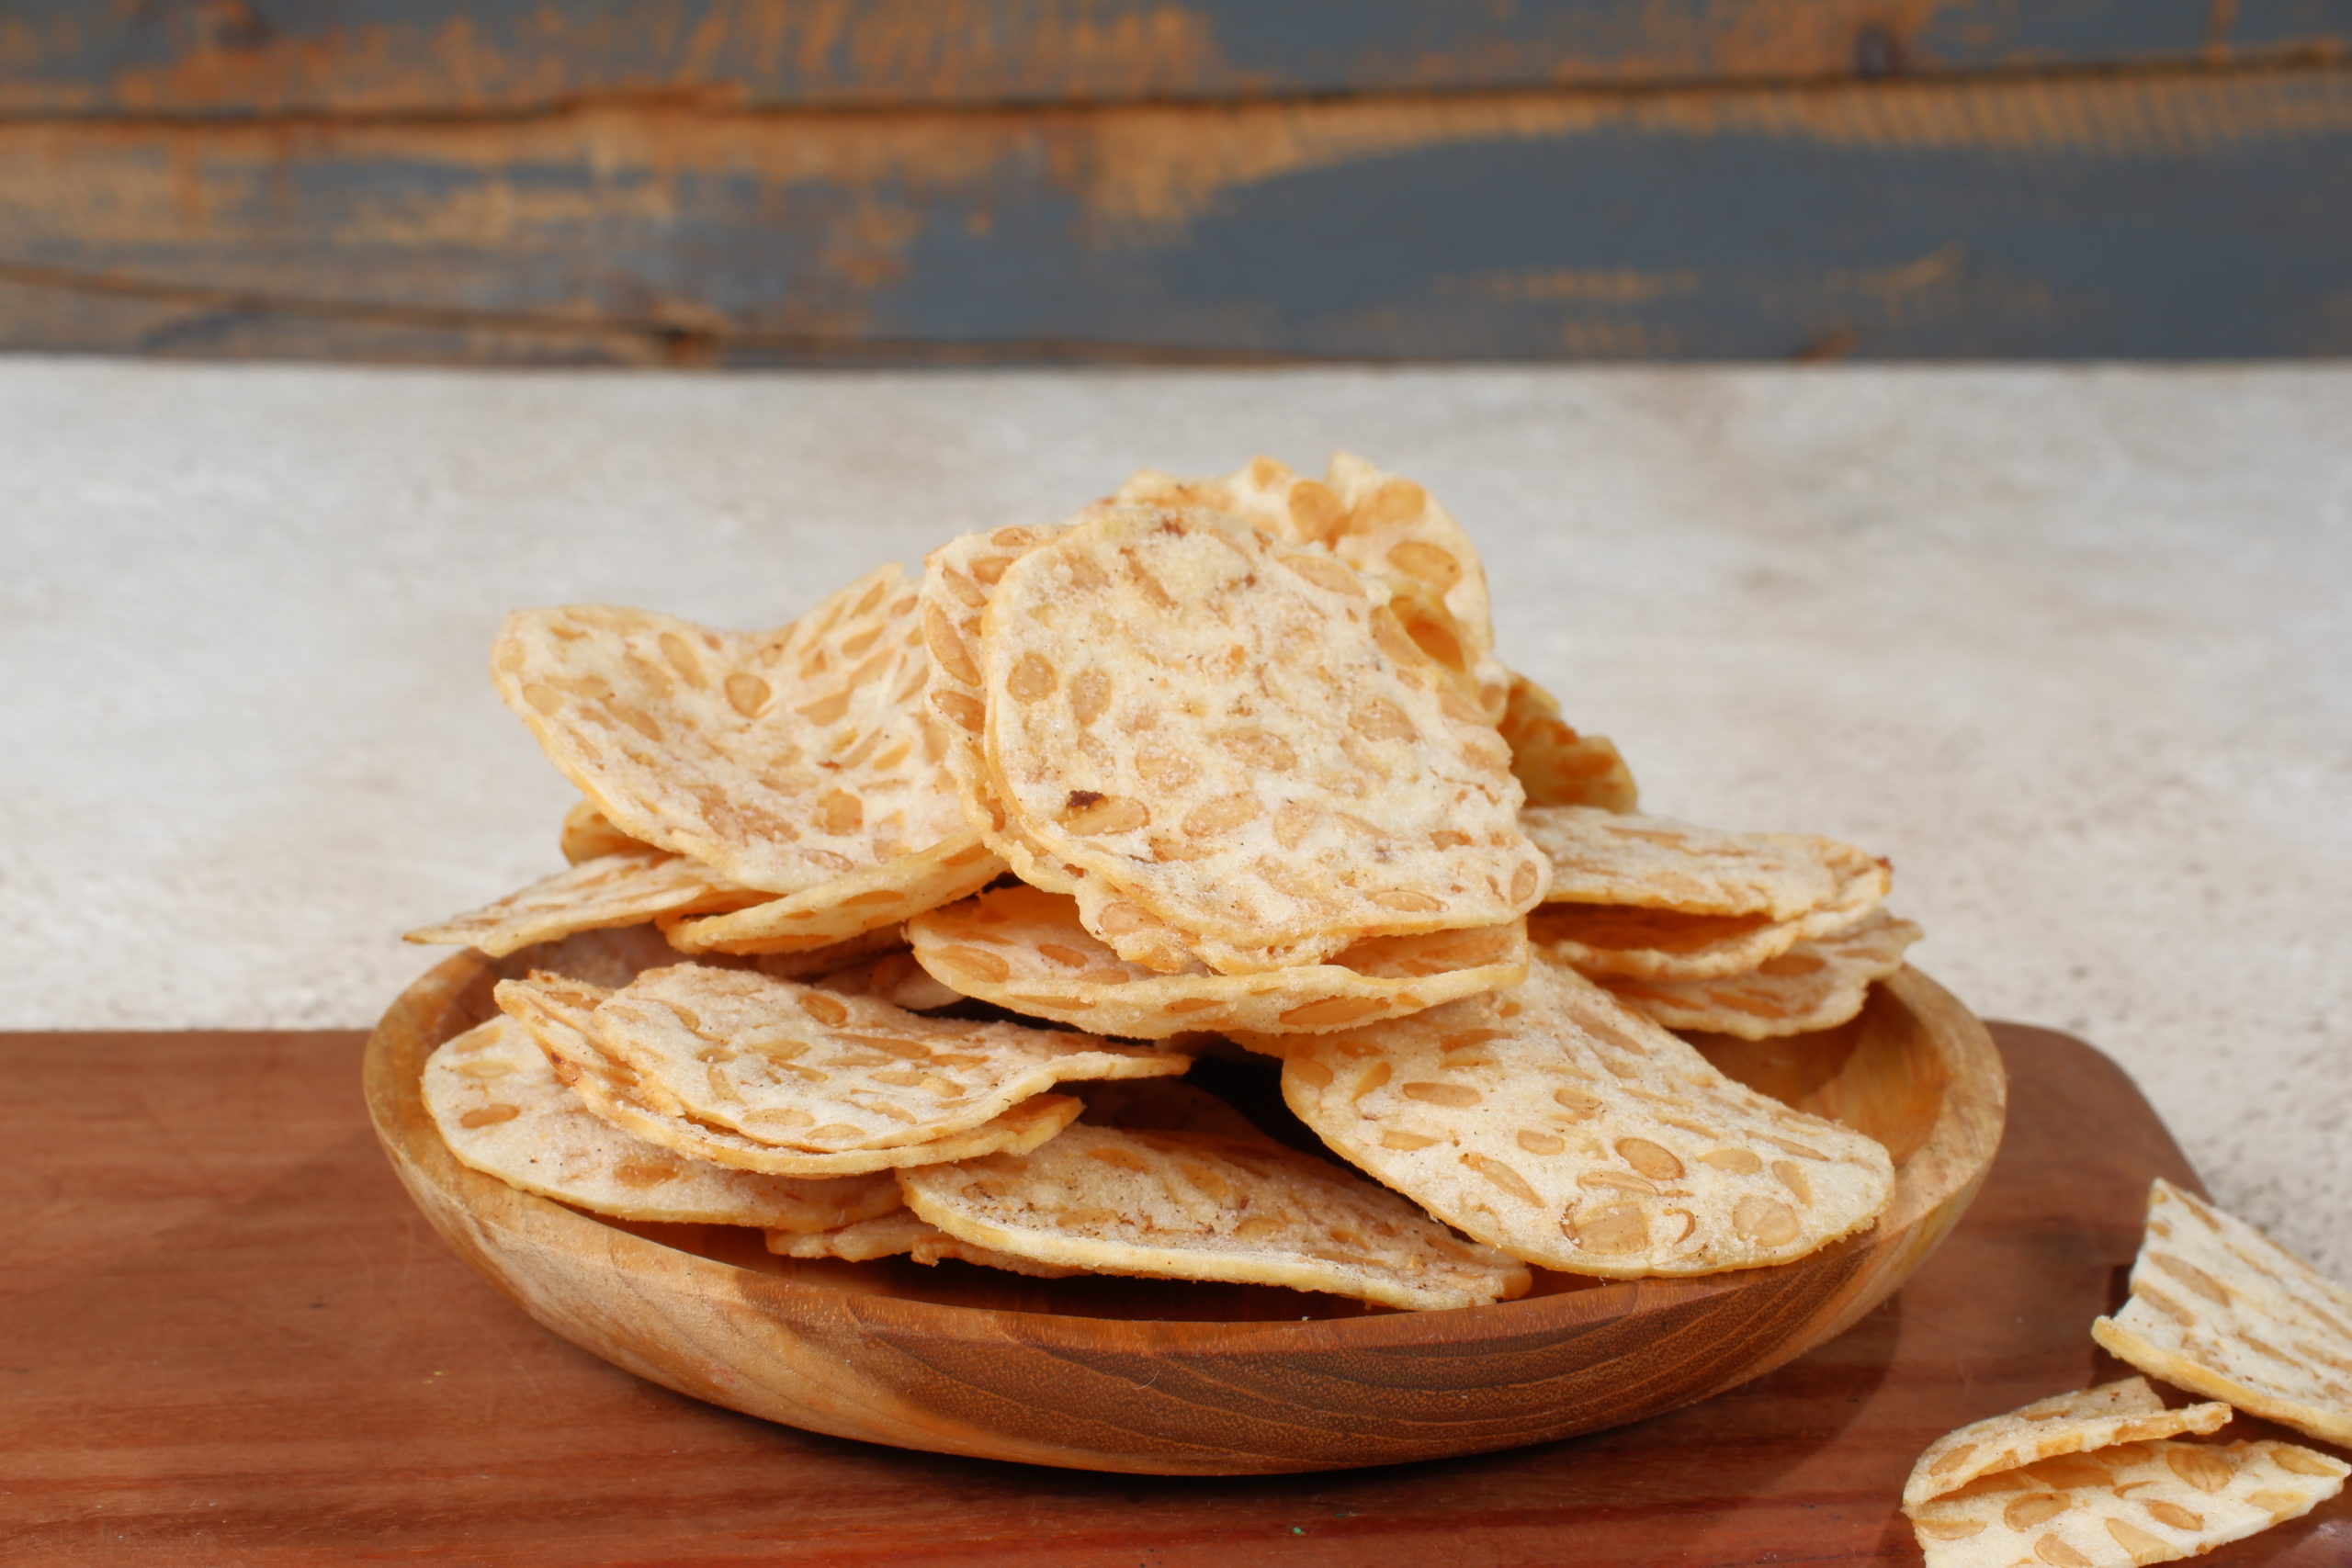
(2071, 645)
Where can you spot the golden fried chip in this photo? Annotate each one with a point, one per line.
(1024, 949)
(556, 1012)
(862, 900)
(1600, 940)
(1300, 788)
(1607, 857)
(1189, 1206)
(1553, 1122)
(2128, 1505)
(501, 1110)
(803, 1068)
(1552, 763)
(1815, 985)
(2220, 1308)
(586, 834)
(896, 978)
(902, 1235)
(624, 889)
(781, 761)
(1385, 526)
(809, 964)
(2125, 1412)
(958, 578)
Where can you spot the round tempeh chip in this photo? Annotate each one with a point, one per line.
(1618, 858)
(2125, 1412)
(587, 834)
(958, 578)
(1815, 985)
(2220, 1308)
(501, 1110)
(556, 1012)
(1551, 1122)
(1024, 949)
(902, 1235)
(624, 889)
(1192, 1206)
(896, 978)
(862, 901)
(1385, 526)
(1600, 940)
(2126, 1505)
(782, 761)
(805, 1068)
(1556, 765)
(1217, 726)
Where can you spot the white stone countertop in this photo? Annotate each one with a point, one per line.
(2071, 645)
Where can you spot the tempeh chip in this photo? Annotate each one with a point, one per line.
(2121, 1506)
(903, 1235)
(780, 760)
(1192, 1206)
(2124, 1412)
(810, 1069)
(896, 978)
(2220, 1308)
(501, 1110)
(1553, 1122)
(1555, 763)
(1815, 985)
(587, 834)
(1607, 857)
(624, 889)
(1600, 940)
(1383, 525)
(1215, 728)
(862, 900)
(1025, 949)
(958, 578)
(556, 1012)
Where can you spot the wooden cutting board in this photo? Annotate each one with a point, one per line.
(226, 1338)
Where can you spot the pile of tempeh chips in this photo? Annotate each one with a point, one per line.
(963, 871)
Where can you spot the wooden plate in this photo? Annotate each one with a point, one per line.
(1176, 1378)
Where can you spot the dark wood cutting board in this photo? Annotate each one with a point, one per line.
(227, 1338)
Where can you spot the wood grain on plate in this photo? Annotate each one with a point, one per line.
(1163, 1377)
(229, 1338)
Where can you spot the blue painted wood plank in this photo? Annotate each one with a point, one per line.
(236, 57)
(2192, 217)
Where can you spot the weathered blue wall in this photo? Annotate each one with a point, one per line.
(1724, 179)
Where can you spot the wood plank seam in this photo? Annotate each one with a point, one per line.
(1876, 66)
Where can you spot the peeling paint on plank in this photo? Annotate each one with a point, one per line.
(380, 57)
(2186, 216)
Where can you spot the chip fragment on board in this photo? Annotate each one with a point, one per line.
(2218, 1308)
(2089, 1419)
(2121, 1506)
